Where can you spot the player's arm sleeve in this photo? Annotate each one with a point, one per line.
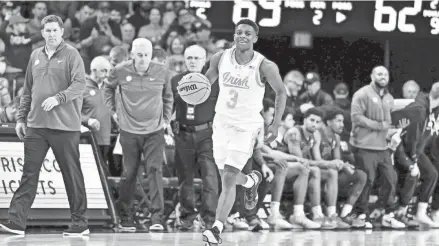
(26, 97)
(270, 73)
(77, 79)
(213, 71)
(110, 90)
(358, 110)
(168, 99)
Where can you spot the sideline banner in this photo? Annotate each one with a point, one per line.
(51, 191)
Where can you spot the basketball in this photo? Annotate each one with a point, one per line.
(194, 88)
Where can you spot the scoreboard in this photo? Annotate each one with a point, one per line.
(416, 18)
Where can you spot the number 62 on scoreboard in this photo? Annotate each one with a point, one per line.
(396, 19)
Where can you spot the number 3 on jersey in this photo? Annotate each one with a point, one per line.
(233, 100)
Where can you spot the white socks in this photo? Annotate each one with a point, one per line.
(347, 209)
(250, 182)
(274, 207)
(298, 210)
(317, 212)
(331, 210)
(219, 225)
(422, 208)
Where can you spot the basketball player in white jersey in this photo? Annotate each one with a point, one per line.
(242, 74)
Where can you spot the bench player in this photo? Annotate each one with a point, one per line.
(242, 74)
(296, 173)
(300, 140)
(351, 181)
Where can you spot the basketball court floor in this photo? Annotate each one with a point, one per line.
(244, 238)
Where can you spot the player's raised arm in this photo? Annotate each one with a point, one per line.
(213, 72)
(270, 73)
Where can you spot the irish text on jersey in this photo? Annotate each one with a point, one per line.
(231, 81)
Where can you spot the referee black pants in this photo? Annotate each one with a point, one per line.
(65, 147)
(193, 154)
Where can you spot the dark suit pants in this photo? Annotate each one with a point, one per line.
(151, 146)
(65, 147)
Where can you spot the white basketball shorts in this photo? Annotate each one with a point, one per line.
(233, 144)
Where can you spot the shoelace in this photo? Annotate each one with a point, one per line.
(216, 234)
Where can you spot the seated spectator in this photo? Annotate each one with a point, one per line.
(39, 11)
(128, 35)
(155, 30)
(170, 35)
(204, 39)
(222, 45)
(8, 114)
(186, 19)
(5, 68)
(139, 18)
(314, 96)
(119, 11)
(72, 25)
(18, 43)
(169, 15)
(7, 9)
(175, 52)
(5, 96)
(159, 55)
(99, 34)
(410, 89)
(63, 9)
(293, 81)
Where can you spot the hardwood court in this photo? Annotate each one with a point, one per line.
(306, 238)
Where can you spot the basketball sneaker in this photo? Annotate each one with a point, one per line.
(256, 224)
(251, 194)
(127, 225)
(236, 222)
(356, 221)
(325, 222)
(76, 231)
(11, 227)
(389, 221)
(279, 223)
(156, 227)
(301, 221)
(339, 222)
(212, 236)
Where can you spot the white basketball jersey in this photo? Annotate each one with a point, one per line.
(241, 90)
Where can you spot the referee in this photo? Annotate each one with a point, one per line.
(50, 117)
(193, 146)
